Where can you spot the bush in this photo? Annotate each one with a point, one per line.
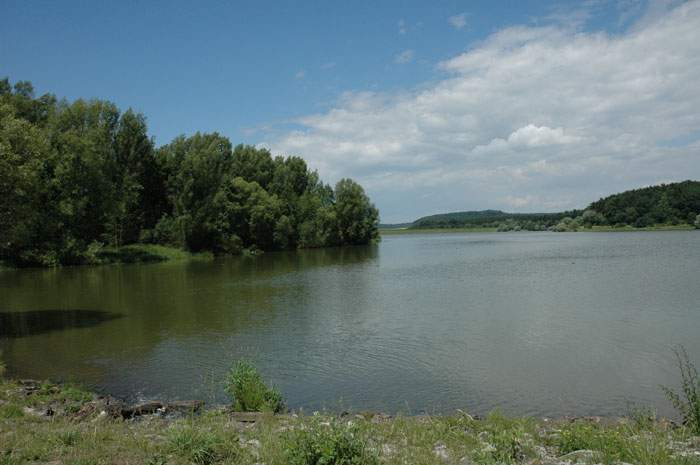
(2, 366)
(249, 392)
(689, 404)
(328, 444)
(697, 222)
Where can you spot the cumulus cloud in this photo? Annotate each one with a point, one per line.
(458, 21)
(404, 57)
(549, 114)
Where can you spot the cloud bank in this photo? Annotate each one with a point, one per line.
(530, 119)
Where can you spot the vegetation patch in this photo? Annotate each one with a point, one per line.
(688, 401)
(81, 180)
(249, 392)
(322, 442)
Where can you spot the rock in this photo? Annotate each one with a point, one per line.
(388, 450)
(184, 406)
(246, 417)
(143, 408)
(583, 455)
(440, 450)
(380, 418)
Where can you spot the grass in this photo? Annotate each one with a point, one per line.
(79, 432)
(688, 401)
(249, 392)
(216, 437)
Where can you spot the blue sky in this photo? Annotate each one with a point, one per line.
(339, 83)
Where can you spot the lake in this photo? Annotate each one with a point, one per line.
(531, 323)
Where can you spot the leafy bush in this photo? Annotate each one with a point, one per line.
(249, 392)
(2, 366)
(689, 404)
(328, 444)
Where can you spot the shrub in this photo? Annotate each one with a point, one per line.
(328, 444)
(2, 366)
(697, 222)
(249, 392)
(689, 404)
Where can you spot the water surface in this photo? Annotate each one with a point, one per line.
(531, 323)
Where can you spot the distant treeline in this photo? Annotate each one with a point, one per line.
(665, 204)
(78, 177)
(493, 219)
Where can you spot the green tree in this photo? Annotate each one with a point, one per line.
(197, 167)
(357, 218)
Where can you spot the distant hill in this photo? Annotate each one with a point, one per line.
(492, 218)
(665, 204)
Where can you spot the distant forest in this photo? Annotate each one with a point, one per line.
(665, 204)
(79, 177)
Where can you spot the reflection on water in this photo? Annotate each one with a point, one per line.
(536, 323)
(29, 323)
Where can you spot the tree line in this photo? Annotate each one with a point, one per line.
(77, 177)
(664, 204)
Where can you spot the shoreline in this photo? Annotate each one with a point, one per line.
(53, 423)
(408, 231)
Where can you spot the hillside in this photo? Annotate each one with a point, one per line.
(665, 204)
(674, 203)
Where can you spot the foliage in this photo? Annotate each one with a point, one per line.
(3, 368)
(249, 392)
(493, 219)
(328, 443)
(688, 402)
(81, 179)
(663, 204)
(567, 224)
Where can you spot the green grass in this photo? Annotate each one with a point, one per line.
(216, 437)
(249, 392)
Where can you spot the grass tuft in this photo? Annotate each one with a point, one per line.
(688, 401)
(249, 392)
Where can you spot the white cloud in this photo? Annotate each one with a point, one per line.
(404, 57)
(458, 21)
(301, 74)
(550, 114)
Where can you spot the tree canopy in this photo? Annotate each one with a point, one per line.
(79, 176)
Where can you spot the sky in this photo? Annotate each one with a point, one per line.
(433, 107)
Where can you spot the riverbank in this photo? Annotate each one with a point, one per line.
(48, 423)
(401, 231)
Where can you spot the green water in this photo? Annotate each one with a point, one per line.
(532, 323)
